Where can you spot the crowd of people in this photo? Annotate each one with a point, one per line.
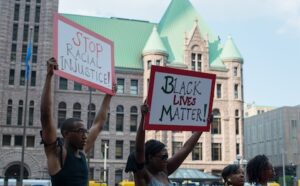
(150, 163)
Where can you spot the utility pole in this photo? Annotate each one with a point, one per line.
(104, 162)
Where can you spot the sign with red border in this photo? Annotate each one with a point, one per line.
(179, 100)
(83, 55)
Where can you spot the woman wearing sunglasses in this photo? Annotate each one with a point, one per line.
(150, 162)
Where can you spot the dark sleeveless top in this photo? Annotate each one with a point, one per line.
(73, 173)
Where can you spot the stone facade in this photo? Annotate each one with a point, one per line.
(34, 163)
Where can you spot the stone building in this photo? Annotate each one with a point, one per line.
(181, 39)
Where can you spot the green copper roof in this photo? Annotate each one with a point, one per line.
(129, 36)
(230, 51)
(134, 37)
(154, 43)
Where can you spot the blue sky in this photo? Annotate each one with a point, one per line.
(267, 33)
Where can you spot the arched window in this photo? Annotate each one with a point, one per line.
(77, 110)
(133, 118)
(20, 112)
(120, 118)
(9, 112)
(62, 113)
(216, 125)
(31, 113)
(91, 114)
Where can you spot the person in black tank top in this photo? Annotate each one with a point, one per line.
(66, 158)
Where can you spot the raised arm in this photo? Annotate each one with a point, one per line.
(98, 122)
(176, 160)
(48, 128)
(140, 176)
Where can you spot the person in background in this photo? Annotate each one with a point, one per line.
(260, 170)
(233, 175)
(66, 159)
(150, 163)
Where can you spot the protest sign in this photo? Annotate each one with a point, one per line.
(82, 55)
(179, 99)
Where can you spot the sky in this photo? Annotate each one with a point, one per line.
(266, 32)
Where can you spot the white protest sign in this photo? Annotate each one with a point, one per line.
(83, 56)
(179, 99)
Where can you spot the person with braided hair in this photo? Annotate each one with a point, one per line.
(233, 175)
(260, 170)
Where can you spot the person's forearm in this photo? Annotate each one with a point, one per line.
(102, 113)
(191, 142)
(46, 101)
(140, 140)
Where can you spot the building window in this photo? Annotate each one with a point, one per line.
(102, 173)
(13, 54)
(27, 13)
(91, 173)
(22, 77)
(216, 152)
(33, 78)
(134, 87)
(197, 152)
(119, 149)
(6, 140)
(235, 71)
(63, 83)
(34, 53)
(25, 32)
(120, 118)
(15, 32)
(16, 12)
(157, 62)
(133, 118)
(77, 86)
(149, 63)
(91, 114)
(219, 90)
(237, 148)
(9, 112)
(103, 142)
(31, 113)
(106, 124)
(77, 110)
(237, 122)
(11, 80)
(62, 113)
(132, 147)
(36, 34)
(37, 14)
(118, 176)
(18, 140)
(30, 140)
(196, 62)
(176, 146)
(24, 51)
(236, 91)
(20, 112)
(216, 124)
(120, 86)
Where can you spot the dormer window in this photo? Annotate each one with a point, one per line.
(196, 62)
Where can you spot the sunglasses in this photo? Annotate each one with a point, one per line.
(163, 157)
(80, 131)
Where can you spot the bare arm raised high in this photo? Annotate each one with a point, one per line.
(98, 122)
(48, 128)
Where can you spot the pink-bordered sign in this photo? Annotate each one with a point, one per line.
(179, 100)
(83, 55)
